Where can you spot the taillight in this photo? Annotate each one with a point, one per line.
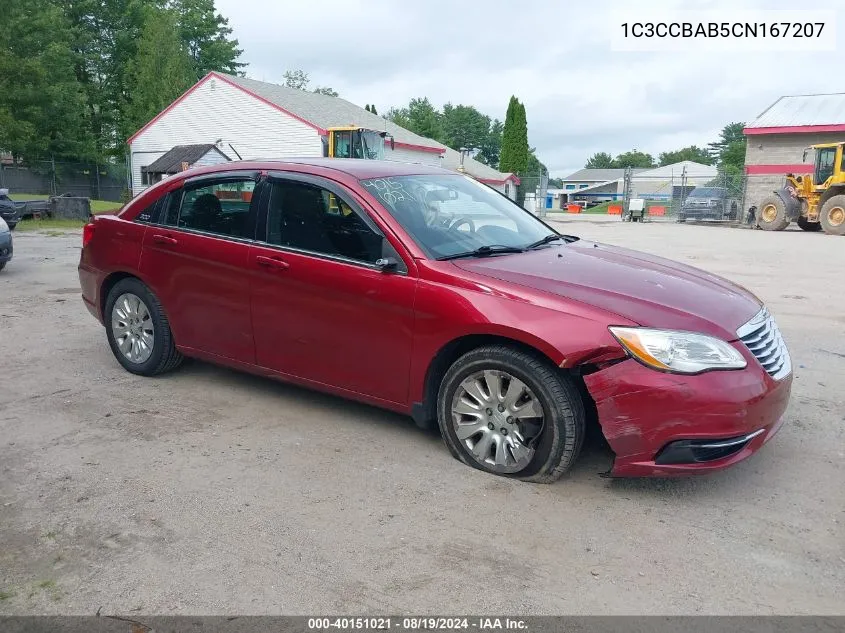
(87, 233)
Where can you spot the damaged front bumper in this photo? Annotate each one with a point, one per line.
(661, 424)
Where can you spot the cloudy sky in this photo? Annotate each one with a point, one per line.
(580, 95)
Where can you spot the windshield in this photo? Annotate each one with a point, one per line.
(373, 145)
(706, 192)
(452, 215)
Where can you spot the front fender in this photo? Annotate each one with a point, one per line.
(790, 202)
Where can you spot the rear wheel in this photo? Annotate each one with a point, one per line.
(511, 413)
(138, 330)
(806, 225)
(772, 216)
(832, 216)
(2, 265)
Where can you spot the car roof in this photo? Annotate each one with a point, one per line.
(360, 169)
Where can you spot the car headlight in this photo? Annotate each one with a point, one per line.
(678, 352)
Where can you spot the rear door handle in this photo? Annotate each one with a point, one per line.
(273, 263)
(165, 239)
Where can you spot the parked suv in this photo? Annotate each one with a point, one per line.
(423, 291)
(709, 203)
(10, 211)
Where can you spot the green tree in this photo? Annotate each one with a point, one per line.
(296, 79)
(161, 70)
(464, 127)
(325, 90)
(556, 183)
(207, 37)
(373, 109)
(693, 153)
(42, 103)
(599, 160)
(491, 147)
(634, 158)
(729, 150)
(514, 156)
(420, 117)
(367, 107)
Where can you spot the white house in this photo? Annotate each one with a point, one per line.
(249, 119)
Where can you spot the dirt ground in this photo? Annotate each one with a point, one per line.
(209, 491)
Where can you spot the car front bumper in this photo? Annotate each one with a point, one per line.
(662, 425)
(6, 249)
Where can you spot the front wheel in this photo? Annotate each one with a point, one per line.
(773, 214)
(511, 413)
(832, 216)
(138, 330)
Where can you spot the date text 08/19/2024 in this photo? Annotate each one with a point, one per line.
(422, 623)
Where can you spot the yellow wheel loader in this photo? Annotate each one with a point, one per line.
(356, 142)
(816, 202)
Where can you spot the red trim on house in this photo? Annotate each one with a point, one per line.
(419, 148)
(794, 129)
(321, 131)
(494, 181)
(760, 170)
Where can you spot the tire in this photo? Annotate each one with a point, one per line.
(806, 225)
(772, 214)
(832, 216)
(555, 443)
(3, 265)
(163, 356)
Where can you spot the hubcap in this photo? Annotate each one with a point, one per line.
(497, 418)
(836, 216)
(132, 327)
(769, 212)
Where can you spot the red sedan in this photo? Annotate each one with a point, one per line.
(425, 292)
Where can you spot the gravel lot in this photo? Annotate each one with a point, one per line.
(210, 491)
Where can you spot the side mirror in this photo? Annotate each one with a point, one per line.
(387, 264)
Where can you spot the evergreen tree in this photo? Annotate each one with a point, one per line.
(161, 70)
(373, 109)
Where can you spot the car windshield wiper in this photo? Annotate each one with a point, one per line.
(549, 238)
(483, 251)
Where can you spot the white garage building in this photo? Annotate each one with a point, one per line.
(249, 119)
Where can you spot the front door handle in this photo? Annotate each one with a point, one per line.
(165, 239)
(274, 263)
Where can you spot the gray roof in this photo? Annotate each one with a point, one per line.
(325, 111)
(598, 175)
(171, 162)
(452, 159)
(798, 110)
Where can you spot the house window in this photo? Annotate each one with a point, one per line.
(507, 189)
(570, 187)
(583, 186)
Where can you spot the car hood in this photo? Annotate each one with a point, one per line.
(649, 290)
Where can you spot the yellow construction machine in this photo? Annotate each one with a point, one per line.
(356, 142)
(816, 202)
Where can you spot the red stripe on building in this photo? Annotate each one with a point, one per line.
(760, 170)
(794, 129)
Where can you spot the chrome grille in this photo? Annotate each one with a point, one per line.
(763, 339)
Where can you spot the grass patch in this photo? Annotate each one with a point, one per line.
(50, 224)
(47, 584)
(28, 196)
(7, 595)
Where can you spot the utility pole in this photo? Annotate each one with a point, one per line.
(627, 189)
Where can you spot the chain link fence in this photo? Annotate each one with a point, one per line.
(705, 197)
(53, 178)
